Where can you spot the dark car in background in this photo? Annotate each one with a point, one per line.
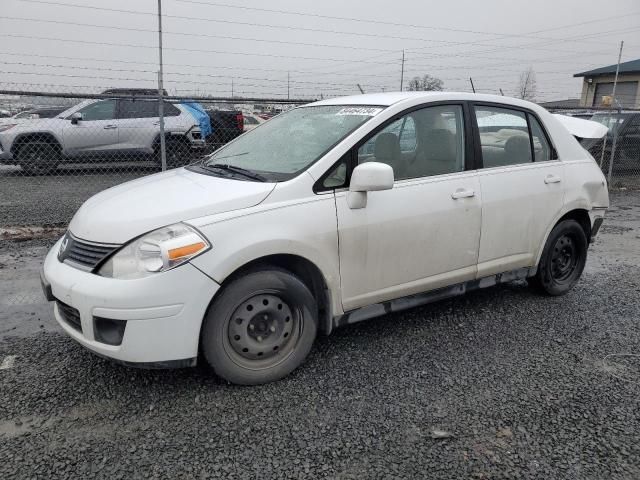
(226, 125)
(624, 127)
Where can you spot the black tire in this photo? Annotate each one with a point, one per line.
(38, 158)
(563, 259)
(260, 327)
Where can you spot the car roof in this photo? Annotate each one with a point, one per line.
(390, 98)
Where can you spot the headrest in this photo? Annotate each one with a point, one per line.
(387, 147)
(518, 149)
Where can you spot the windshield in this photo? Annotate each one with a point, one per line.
(288, 143)
(610, 120)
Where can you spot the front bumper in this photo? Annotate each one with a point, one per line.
(163, 312)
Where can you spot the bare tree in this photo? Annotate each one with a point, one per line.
(527, 85)
(425, 84)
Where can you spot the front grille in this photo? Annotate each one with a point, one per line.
(70, 315)
(86, 255)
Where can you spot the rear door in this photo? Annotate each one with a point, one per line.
(522, 186)
(139, 124)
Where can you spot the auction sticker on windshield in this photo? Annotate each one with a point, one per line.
(370, 111)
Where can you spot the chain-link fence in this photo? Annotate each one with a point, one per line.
(59, 149)
(618, 153)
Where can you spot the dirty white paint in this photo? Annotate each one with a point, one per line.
(8, 362)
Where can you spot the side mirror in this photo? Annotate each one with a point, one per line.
(76, 117)
(368, 177)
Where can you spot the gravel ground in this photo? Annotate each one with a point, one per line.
(502, 383)
(53, 199)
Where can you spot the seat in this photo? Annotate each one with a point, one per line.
(517, 149)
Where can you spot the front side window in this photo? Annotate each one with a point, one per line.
(102, 110)
(425, 142)
(504, 136)
(292, 141)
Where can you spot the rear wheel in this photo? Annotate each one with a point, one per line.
(38, 158)
(563, 258)
(260, 327)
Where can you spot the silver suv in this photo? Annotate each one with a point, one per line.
(111, 129)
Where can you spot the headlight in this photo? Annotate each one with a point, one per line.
(157, 251)
(4, 128)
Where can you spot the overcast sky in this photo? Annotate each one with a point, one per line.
(85, 49)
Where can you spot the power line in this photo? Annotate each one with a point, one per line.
(79, 67)
(253, 24)
(195, 50)
(204, 35)
(395, 24)
(182, 65)
(324, 45)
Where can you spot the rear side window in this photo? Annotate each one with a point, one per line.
(504, 136)
(130, 108)
(541, 149)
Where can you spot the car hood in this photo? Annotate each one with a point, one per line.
(126, 211)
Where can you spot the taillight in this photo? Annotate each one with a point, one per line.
(240, 120)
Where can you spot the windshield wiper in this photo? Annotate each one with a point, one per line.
(238, 170)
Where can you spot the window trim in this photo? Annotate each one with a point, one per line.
(526, 111)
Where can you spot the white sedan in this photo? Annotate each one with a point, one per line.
(328, 214)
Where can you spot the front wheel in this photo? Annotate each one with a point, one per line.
(38, 158)
(563, 259)
(260, 327)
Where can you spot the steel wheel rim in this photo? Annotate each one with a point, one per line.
(262, 331)
(564, 258)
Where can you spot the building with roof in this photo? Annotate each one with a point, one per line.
(598, 83)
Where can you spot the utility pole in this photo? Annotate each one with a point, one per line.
(615, 131)
(402, 71)
(163, 146)
(613, 94)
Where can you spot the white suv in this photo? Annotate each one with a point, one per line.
(112, 129)
(326, 215)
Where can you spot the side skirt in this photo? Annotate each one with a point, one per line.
(404, 303)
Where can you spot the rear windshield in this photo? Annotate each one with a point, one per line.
(290, 142)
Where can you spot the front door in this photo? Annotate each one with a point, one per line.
(96, 133)
(522, 188)
(422, 234)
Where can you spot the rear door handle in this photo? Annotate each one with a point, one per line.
(552, 179)
(110, 127)
(463, 193)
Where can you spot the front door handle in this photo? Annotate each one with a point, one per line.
(463, 193)
(552, 179)
(110, 127)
